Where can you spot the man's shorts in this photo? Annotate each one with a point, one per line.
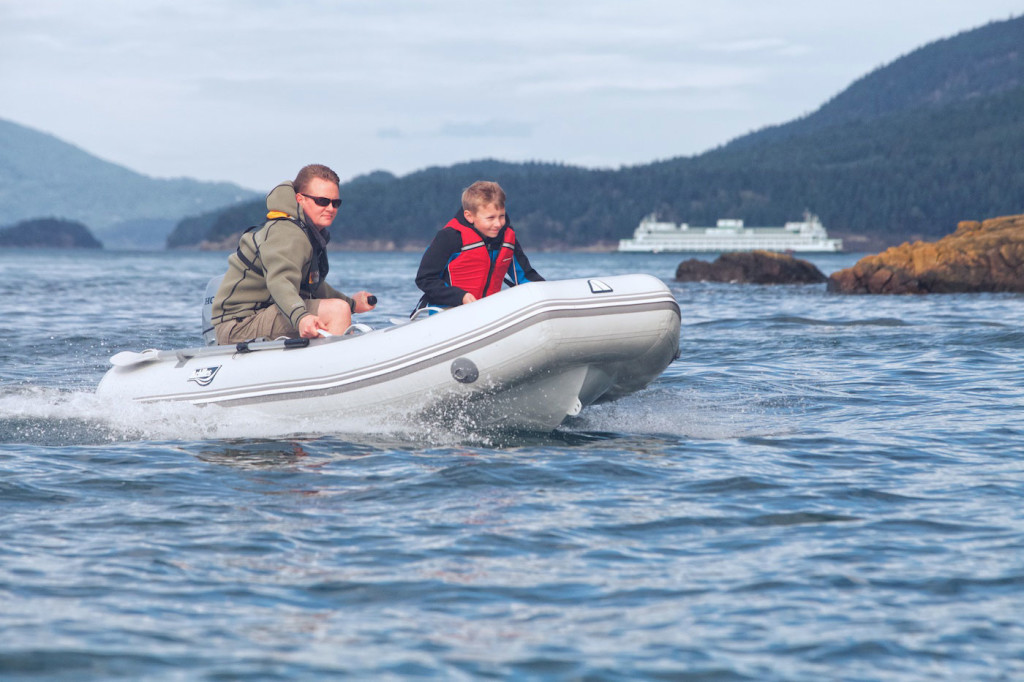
(269, 323)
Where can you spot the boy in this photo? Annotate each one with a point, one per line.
(474, 253)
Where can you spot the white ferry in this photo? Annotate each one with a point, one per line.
(652, 236)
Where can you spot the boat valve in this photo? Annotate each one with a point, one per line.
(464, 371)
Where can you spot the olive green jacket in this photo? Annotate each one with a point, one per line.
(282, 256)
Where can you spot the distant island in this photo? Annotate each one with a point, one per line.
(49, 233)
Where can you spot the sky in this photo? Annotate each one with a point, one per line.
(248, 91)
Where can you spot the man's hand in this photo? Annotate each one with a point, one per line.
(362, 304)
(468, 298)
(309, 327)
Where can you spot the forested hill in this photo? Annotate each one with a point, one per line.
(986, 61)
(905, 152)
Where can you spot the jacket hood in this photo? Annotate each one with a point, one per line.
(282, 200)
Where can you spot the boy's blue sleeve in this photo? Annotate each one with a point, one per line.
(522, 271)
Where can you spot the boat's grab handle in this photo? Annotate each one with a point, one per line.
(250, 346)
(430, 310)
(357, 327)
(127, 358)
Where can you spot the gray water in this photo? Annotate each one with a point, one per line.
(820, 487)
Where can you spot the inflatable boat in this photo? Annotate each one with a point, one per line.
(524, 359)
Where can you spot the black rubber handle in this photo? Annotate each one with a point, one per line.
(371, 299)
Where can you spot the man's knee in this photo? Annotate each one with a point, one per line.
(335, 314)
(334, 309)
(334, 306)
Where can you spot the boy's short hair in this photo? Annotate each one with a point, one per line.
(482, 193)
(314, 170)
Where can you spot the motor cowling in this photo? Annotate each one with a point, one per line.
(209, 337)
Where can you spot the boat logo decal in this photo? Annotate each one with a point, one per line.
(598, 287)
(204, 375)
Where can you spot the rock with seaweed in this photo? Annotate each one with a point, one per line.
(750, 267)
(986, 256)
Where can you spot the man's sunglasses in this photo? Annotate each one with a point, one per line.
(323, 201)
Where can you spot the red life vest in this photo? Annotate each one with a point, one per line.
(472, 269)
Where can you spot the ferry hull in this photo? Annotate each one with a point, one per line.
(653, 236)
(629, 246)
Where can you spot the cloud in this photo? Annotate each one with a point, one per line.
(777, 46)
(492, 128)
(238, 89)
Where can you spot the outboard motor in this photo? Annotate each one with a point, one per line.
(209, 337)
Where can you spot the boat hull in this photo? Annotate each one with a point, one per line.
(524, 358)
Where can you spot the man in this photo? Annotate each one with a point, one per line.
(275, 284)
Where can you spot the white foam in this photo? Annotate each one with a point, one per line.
(36, 414)
(53, 416)
(670, 411)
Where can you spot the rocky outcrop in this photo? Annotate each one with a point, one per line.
(979, 256)
(753, 267)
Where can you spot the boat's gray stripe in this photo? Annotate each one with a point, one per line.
(398, 367)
